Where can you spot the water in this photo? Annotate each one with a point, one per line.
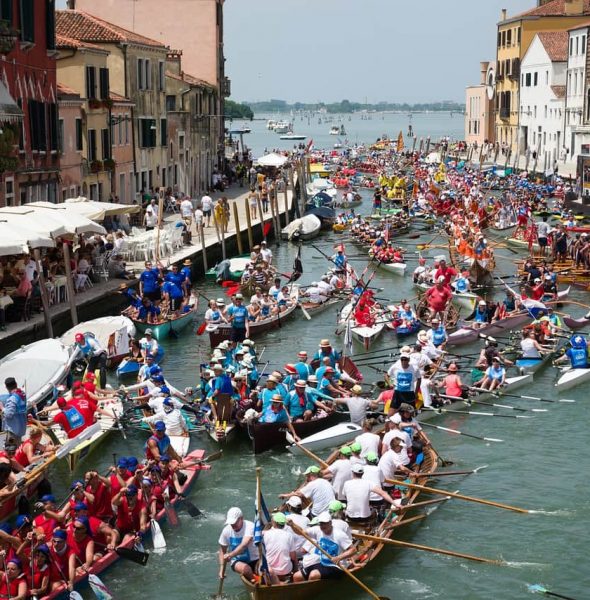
(541, 465)
(358, 130)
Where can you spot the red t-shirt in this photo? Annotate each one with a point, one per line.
(448, 273)
(438, 299)
(101, 507)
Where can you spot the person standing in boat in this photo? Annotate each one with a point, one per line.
(236, 545)
(280, 547)
(405, 380)
(14, 412)
(95, 354)
(437, 334)
(438, 296)
(237, 315)
(326, 350)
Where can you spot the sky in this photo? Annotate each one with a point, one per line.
(373, 50)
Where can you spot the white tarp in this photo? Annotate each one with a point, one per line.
(272, 160)
(97, 211)
(112, 333)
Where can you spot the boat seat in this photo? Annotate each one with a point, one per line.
(224, 406)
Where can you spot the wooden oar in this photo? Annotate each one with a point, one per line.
(457, 432)
(533, 397)
(443, 473)
(432, 490)
(219, 595)
(309, 453)
(537, 588)
(394, 542)
(132, 554)
(367, 589)
(444, 411)
(470, 401)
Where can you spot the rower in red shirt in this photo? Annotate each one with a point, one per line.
(119, 476)
(32, 450)
(69, 418)
(43, 522)
(438, 296)
(131, 512)
(99, 487)
(444, 271)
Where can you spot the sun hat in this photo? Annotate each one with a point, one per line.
(336, 506)
(300, 383)
(356, 389)
(325, 343)
(279, 518)
(346, 450)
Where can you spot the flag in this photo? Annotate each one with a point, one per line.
(297, 267)
(309, 146)
(534, 307)
(266, 229)
(348, 338)
(261, 518)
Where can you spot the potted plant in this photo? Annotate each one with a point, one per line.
(95, 166)
(109, 164)
(94, 103)
(107, 103)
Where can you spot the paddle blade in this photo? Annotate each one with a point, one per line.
(135, 556)
(192, 510)
(99, 588)
(536, 587)
(266, 228)
(158, 538)
(202, 328)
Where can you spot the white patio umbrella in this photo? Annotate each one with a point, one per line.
(11, 242)
(76, 222)
(97, 211)
(272, 160)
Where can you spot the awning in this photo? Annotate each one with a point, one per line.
(97, 211)
(9, 111)
(272, 160)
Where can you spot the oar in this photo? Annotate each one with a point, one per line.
(309, 453)
(304, 311)
(367, 589)
(534, 398)
(219, 595)
(443, 473)
(537, 588)
(395, 542)
(192, 510)
(132, 554)
(99, 589)
(443, 411)
(470, 401)
(456, 431)
(158, 538)
(432, 490)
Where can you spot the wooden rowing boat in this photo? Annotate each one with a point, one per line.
(171, 326)
(265, 436)
(315, 308)
(466, 300)
(367, 551)
(334, 436)
(222, 331)
(575, 324)
(129, 541)
(130, 366)
(424, 315)
(230, 269)
(397, 268)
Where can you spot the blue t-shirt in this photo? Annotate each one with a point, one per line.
(172, 289)
(239, 314)
(269, 416)
(149, 279)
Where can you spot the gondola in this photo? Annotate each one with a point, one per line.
(170, 326)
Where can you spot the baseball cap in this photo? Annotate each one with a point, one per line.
(325, 517)
(279, 518)
(234, 514)
(80, 506)
(149, 331)
(160, 426)
(336, 505)
(313, 470)
(346, 450)
(371, 457)
(294, 501)
(47, 498)
(358, 468)
(122, 463)
(131, 490)
(355, 447)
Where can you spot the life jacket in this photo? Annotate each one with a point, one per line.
(9, 589)
(163, 445)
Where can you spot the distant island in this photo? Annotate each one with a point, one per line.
(346, 106)
(237, 110)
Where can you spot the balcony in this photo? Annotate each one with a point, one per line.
(504, 113)
(226, 87)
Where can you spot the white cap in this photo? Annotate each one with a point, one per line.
(537, 279)
(441, 279)
(358, 468)
(404, 355)
(294, 501)
(233, 515)
(325, 517)
(482, 303)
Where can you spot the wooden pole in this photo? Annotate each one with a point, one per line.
(258, 201)
(249, 226)
(203, 248)
(238, 231)
(421, 145)
(427, 144)
(44, 296)
(273, 216)
(414, 144)
(286, 200)
(70, 283)
(160, 211)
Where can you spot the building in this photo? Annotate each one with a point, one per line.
(136, 67)
(82, 67)
(479, 108)
(542, 99)
(514, 37)
(29, 157)
(122, 149)
(70, 139)
(191, 139)
(199, 33)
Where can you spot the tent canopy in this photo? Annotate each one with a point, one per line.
(272, 160)
(97, 211)
(75, 222)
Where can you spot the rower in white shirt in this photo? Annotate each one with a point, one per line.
(172, 417)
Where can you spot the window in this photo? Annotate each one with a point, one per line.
(577, 45)
(127, 128)
(106, 144)
(503, 38)
(161, 76)
(104, 83)
(509, 37)
(170, 103)
(163, 132)
(79, 135)
(91, 83)
(499, 39)
(546, 77)
(545, 111)
(120, 130)
(92, 145)
(53, 131)
(535, 78)
(50, 24)
(518, 34)
(571, 46)
(528, 80)
(6, 10)
(60, 136)
(583, 49)
(37, 125)
(140, 74)
(147, 133)
(27, 20)
(148, 74)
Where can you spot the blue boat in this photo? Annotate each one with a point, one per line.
(405, 331)
(130, 366)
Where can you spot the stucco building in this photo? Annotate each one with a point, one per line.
(70, 136)
(479, 107)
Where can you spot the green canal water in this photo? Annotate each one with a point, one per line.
(542, 465)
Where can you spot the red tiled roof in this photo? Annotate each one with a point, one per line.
(556, 8)
(65, 90)
(62, 41)
(556, 44)
(82, 26)
(117, 97)
(558, 90)
(190, 79)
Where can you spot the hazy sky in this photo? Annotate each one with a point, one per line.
(389, 50)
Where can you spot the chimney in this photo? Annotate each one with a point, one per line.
(504, 11)
(574, 7)
(483, 69)
(71, 4)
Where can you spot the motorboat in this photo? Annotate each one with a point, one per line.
(293, 136)
(305, 228)
(282, 127)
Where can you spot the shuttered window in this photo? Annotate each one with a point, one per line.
(91, 83)
(104, 83)
(27, 20)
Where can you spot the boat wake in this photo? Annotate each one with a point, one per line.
(416, 587)
(559, 513)
(516, 564)
(200, 557)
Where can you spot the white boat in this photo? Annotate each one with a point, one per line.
(271, 124)
(282, 127)
(572, 378)
(327, 438)
(512, 383)
(112, 333)
(467, 300)
(39, 368)
(396, 268)
(292, 136)
(363, 334)
(335, 130)
(305, 228)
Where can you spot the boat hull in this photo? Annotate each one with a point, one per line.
(572, 378)
(467, 334)
(395, 268)
(161, 331)
(336, 435)
(129, 367)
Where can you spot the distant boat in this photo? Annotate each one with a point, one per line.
(241, 131)
(282, 127)
(292, 136)
(271, 124)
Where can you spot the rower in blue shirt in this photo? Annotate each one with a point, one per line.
(301, 403)
(326, 350)
(237, 315)
(577, 354)
(303, 369)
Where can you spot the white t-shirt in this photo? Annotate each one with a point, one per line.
(175, 423)
(344, 527)
(334, 544)
(279, 543)
(206, 203)
(397, 419)
(374, 475)
(186, 208)
(341, 473)
(320, 492)
(151, 217)
(396, 433)
(300, 521)
(198, 216)
(369, 442)
(266, 255)
(156, 402)
(232, 539)
(358, 408)
(357, 492)
(543, 229)
(403, 380)
(390, 462)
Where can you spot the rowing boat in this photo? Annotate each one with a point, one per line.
(222, 331)
(265, 436)
(466, 300)
(230, 269)
(305, 228)
(397, 268)
(364, 334)
(128, 542)
(171, 326)
(402, 330)
(572, 378)
(366, 552)
(424, 314)
(315, 308)
(334, 436)
(467, 333)
(575, 324)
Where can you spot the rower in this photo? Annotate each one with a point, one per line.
(405, 380)
(69, 418)
(339, 472)
(291, 378)
(132, 515)
(334, 542)
(148, 344)
(452, 383)
(301, 404)
(357, 493)
(295, 508)
(236, 545)
(427, 347)
(81, 544)
(480, 316)
(357, 405)
(336, 510)
(158, 444)
(577, 353)
(369, 442)
(461, 283)
(172, 416)
(326, 349)
(303, 369)
(394, 461)
(437, 334)
(446, 272)
(13, 583)
(275, 288)
(489, 352)
(438, 296)
(495, 376)
(14, 411)
(530, 346)
(280, 546)
(317, 491)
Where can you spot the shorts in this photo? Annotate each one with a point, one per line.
(238, 334)
(400, 397)
(252, 564)
(542, 242)
(206, 213)
(175, 303)
(155, 295)
(325, 572)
